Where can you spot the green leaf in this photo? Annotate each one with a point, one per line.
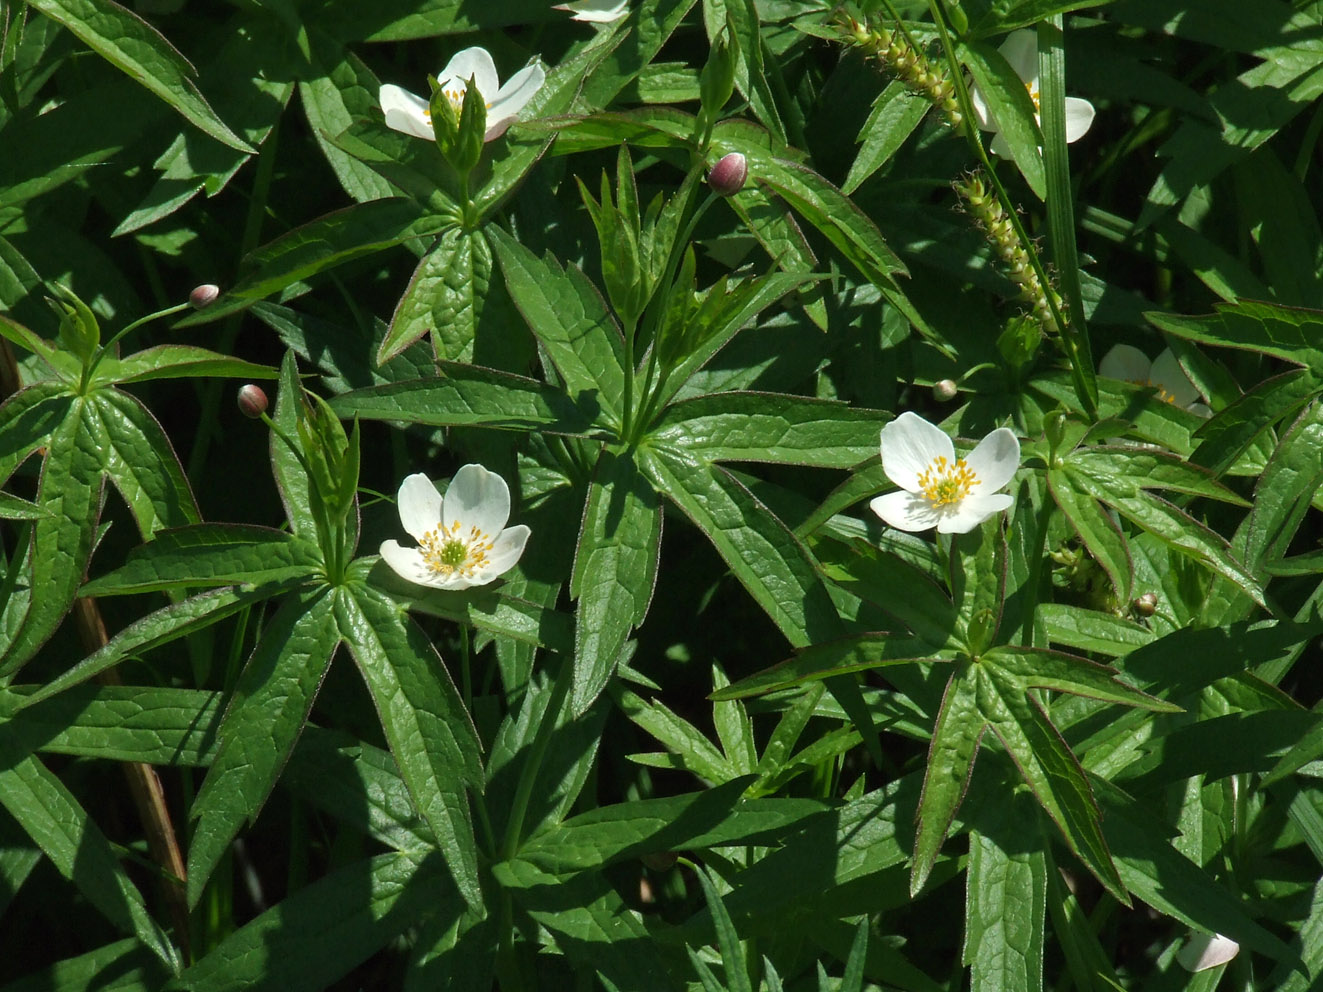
(1051, 770)
(178, 361)
(568, 316)
(770, 427)
(266, 714)
(70, 495)
(483, 608)
(331, 240)
(321, 933)
(689, 746)
(1232, 431)
(471, 396)
(118, 723)
(131, 965)
(444, 296)
(956, 735)
(1009, 104)
(1039, 668)
(161, 627)
(728, 941)
(1005, 900)
(1097, 530)
(49, 814)
(288, 459)
(1288, 333)
(139, 461)
(1285, 490)
(424, 720)
(759, 549)
(742, 17)
(824, 660)
(902, 590)
(210, 555)
(895, 114)
(132, 45)
(615, 568)
(1089, 630)
(624, 831)
(1130, 469)
(1171, 883)
(339, 90)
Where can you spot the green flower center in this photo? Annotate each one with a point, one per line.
(944, 484)
(447, 550)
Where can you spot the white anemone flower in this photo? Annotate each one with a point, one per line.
(1020, 49)
(462, 540)
(409, 112)
(596, 11)
(1206, 950)
(1164, 374)
(954, 495)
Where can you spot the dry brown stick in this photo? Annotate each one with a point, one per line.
(145, 787)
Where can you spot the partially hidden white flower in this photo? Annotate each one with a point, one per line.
(954, 495)
(462, 540)
(409, 112)
(1020, 49)
(1164, 374)
(597, 11)
(1206, 950)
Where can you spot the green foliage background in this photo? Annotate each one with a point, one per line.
(720, 728)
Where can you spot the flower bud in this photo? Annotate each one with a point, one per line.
(203, 296)
(252, 400)
(945, 390)
(728, 175)
(1147, 604)
(659, 860)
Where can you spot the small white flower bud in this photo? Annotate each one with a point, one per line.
(203, 296)
(252, 401)
(728, 175)
(945, 390)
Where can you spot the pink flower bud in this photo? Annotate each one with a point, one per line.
(252, 400)
(203, 296)
(1147, 604)
(945, 390)
(728, 175)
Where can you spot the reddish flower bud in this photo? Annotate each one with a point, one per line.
(1147, 604)
(203, 296)
(728, 175)
(252, 401)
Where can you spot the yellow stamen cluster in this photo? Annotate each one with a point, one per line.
(446, 552)
(991, 216)
(911, 66)
(944, 484)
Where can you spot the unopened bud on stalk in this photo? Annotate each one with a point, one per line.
(1147, 604)
(204, 296)
(252, 400)
(728, 175)
(945, 390)
(659, 860)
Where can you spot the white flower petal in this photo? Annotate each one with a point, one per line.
(1127, 363)
(407, 563)
(1020, 49)
(994, 461)
(1206, 950)
(972, 511)
(472, 63)
(982, 113)
(909, 446)
(1200, 410)
(1079, 118)
(1000, 146)
(419, 504)
(404, 111)
(477, 498)
(512, 98)
(596, 11)
(1168, 375)
(506, 551)
(905, 511)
